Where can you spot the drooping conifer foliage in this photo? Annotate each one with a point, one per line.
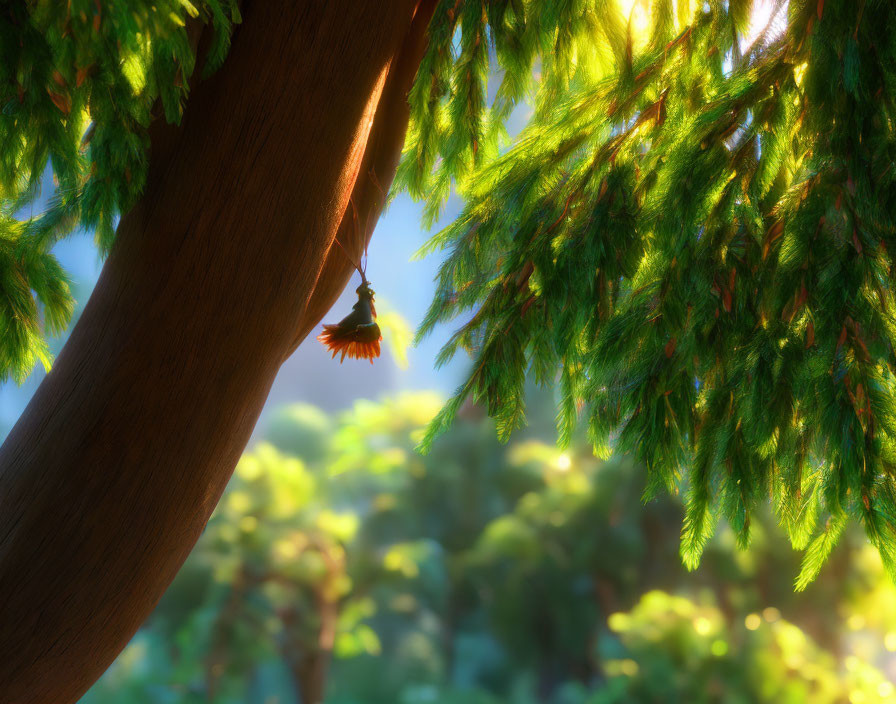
(80, 82)
(693, 234)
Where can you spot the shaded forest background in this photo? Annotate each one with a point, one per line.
(482, 572)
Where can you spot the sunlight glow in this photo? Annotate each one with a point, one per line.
(890, 641)
(637, 12)
(564, 462)
(771, 614)
(702, 625)
(766, 14)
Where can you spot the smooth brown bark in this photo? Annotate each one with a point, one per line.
(111, 473)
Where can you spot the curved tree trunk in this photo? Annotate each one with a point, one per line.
(110, 475)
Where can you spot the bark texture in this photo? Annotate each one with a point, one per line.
(111, 473)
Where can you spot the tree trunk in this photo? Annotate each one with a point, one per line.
(308, 659)
(307, 643)
(110, 475)
(309, 676)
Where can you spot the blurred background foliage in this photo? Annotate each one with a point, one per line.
(343, 566)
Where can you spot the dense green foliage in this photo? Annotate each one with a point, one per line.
(693, 235)
(485, 573)
(80, 82)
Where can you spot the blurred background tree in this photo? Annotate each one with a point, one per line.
(342, 566)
